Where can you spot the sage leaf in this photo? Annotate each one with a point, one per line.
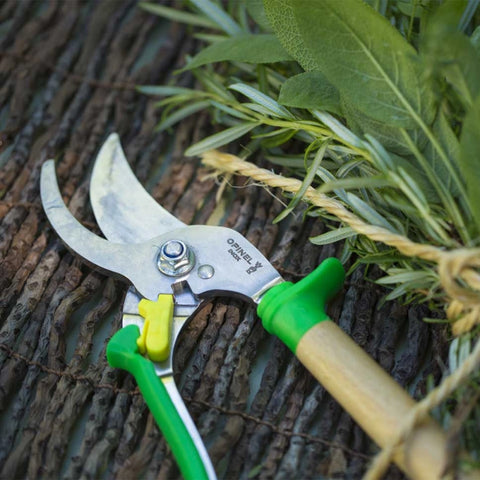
(411, 8)
(470, 158)
(449, 142)
(475, 39)
(388, 135)
(262, 48)
(219, 139)
(450, 54)
(310, 90)
(364, 56)
(282, 20)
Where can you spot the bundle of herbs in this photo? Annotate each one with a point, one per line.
(381, 97)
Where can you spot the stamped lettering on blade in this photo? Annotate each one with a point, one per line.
(241, 255)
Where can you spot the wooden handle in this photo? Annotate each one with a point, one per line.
(376, 402)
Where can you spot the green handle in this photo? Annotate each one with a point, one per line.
(122, 352)
(289, 310)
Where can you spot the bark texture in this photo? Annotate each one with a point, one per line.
(67, 77)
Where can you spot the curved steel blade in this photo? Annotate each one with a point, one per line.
(124, 210)
(135, 262)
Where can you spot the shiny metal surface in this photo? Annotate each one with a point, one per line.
(134, 262)
(240, 269)
(124, 210)
(175, 259)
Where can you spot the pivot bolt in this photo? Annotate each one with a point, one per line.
(175, 258)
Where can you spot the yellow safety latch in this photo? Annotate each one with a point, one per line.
(157, 329)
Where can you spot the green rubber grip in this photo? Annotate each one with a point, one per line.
(289, 310)
(122, 352)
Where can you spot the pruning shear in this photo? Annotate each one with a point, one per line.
(173, 268)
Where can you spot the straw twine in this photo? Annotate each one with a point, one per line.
(457, 270)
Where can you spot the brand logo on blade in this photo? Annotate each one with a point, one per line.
(240, 254)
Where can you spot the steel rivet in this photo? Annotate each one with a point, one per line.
(205, 272)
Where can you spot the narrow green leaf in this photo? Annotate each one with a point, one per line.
(307, 181)
(354, 183)
(333, 236)
(242, 48)
(219, 139)
(338, 128)
(231, 111)
(264, 100)
(218, 16)
(210, 37)
(310, 90)
(407, 276)
(177, 15)
(212, 84)
(367, 212)
(469, 158)
(182, 113)
(163, 90)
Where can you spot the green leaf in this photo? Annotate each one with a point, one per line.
(448, 140)
(450, 54)
(256, 10)
(220, 139)
(218, 16)
(242, 48)
(310, 90)
(164, 90)
(475, 39)
(404, 276)
(412, 8)
(182, 113)
(263, 100)
(282, 20)
(307, 181)
(333, 236)
(363, 55)
(338, 128)
(354, 183)
(388, 135)
(367, 212)
(177, 15)
(231, 111)
(470, 158)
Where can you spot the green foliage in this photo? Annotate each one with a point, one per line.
(242, 48)
(381, 96)
(371, 64)
(470, 158)
(310, 90)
